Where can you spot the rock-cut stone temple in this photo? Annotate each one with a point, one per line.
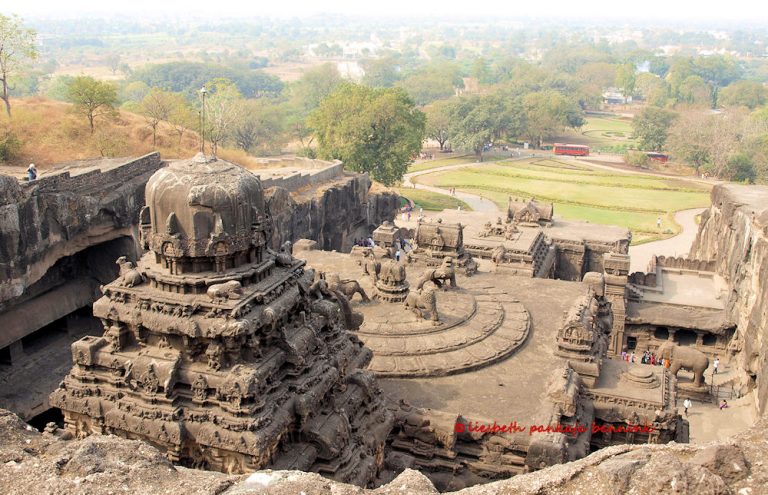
(220, 351)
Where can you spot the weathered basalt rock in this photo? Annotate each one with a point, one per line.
(225, 354)
(734, 234)
(32, 463)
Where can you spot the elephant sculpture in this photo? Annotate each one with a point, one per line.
(687, 358)
(392, 273)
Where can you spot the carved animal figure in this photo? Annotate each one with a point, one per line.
(497, 255)
(129, 275)
(227, 290)
(443, 274)
(687, 358)
(392, 273)
(285, 256)
(347, 287)
(423, 300)
(371, 266)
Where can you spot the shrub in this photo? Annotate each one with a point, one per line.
(636, 158)
(10, 146)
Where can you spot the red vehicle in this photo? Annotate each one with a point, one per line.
(571, 149)
(657, 157)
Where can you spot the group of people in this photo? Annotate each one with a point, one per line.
(363, 242)
(647, 358)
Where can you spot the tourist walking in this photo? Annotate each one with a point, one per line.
(686, 405)
(31, 172)
(715, 365)
(658, 223)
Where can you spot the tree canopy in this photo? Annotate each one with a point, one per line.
(189, 77)
(17, 46)
(92, 98)
(371, 130)
(651, 127)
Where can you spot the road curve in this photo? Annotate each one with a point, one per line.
(678, 245)
(477, 203)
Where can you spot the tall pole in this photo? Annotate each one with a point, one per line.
(202, 125)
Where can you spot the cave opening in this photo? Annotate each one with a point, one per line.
(52, 415)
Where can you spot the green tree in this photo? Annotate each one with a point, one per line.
(741, 169)
(156, 107)
(224, 106)
(750, 94)
(381, 72)
(182, 116)
(477, 121)
(626, 79)
(113, 62)
(438, 121)
(17, 46)
(370, 130)
(260, 129)
(92, 98)
(547, 114)
(651, 127)
(436, 81)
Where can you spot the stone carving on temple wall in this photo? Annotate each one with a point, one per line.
(240, 346)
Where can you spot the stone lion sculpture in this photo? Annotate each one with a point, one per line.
(444, 274)
(422, 300)
(348, 287)
(129, 276)
(686, 358)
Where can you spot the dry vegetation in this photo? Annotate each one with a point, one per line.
(52, 133)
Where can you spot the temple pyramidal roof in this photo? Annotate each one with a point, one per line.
(221, 351)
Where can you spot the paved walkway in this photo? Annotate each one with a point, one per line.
(477, 203)
(678, 245)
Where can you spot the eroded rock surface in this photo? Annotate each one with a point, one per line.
(32, 463)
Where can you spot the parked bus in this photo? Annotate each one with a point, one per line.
(657, 157)
(571, 149)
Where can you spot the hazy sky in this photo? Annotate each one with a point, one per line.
(751, 10)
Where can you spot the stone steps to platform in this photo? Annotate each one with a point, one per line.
(500, 326)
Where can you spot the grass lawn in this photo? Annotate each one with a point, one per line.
(599, 132)
(583, 193)
(431, 201)
(453, 160)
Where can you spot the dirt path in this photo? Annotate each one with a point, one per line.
(678, 245)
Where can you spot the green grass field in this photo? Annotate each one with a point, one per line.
(431, 201)
(582, 192)
(453, 160)
(600, 132)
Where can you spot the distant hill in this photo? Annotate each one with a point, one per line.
(51, 133)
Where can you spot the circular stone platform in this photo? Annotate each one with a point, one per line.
(477, 328)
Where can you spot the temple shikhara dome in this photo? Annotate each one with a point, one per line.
(220, 351)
